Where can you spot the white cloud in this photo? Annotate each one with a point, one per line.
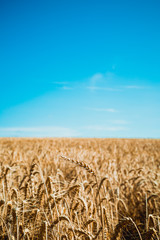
(67, 88)
(108, 81)
(121, 122)
(111, 82)
(106, 129)
(134, 87)
(100, 78)
(94, 88)
(60, 83)
(103, 81)
(63, 85)
(103, 109)
(51, 131)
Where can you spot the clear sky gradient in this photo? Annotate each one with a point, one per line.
(80, 68)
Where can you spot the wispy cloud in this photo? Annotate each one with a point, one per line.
(134, 87)
(108, 81)
(94, 88)
(106, 128)
(112, 110)
(98, 80)
(67, 88)
(63, 85)
(120, 122)
(111, 82)
(52, 131)
(60, 83)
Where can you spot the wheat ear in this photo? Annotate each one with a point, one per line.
(80, 164)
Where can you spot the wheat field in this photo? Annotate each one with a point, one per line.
(66, 189)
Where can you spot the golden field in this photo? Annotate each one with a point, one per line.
(66, 189)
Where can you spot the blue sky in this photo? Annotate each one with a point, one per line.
(80, 68)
